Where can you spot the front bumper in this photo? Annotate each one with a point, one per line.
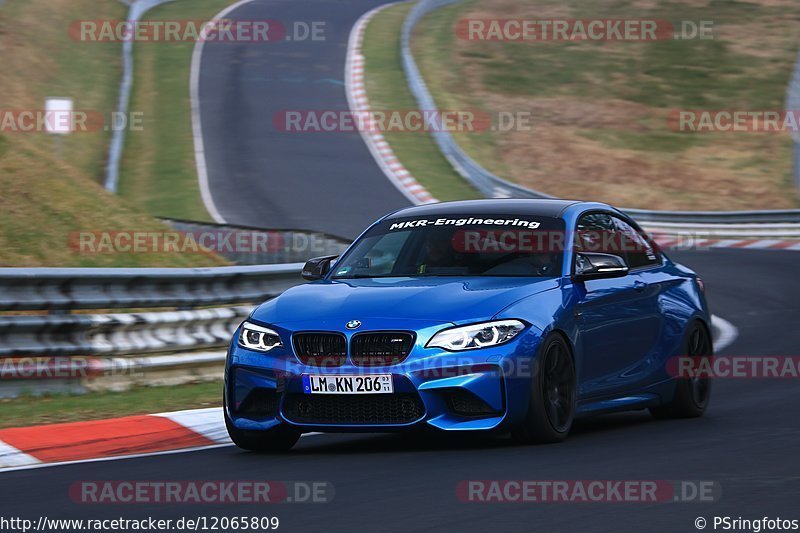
(478, 390)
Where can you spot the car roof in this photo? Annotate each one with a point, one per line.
(504, 206)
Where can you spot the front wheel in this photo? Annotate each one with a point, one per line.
(692, 395)
(278, 439)
(551, 407)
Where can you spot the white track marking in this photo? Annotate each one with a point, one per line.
(114, 458)
(209, 423)
(197, 125)
(11, 457)
(726, 333)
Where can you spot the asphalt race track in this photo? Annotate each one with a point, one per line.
(261, 176)
(747, 442)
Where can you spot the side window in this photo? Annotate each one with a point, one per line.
(596, 232)
(639, 250)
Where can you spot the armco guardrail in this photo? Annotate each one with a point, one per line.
(136, 11)
(484, 181)
(695, 218)
(118, 333)
(157, 345)
(726, 231)
(54, 289)
(492, 186)
(107, 349)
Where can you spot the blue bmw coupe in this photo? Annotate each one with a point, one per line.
(507, 316)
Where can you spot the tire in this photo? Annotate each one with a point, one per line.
(279, 439)
(553, 392)
(691, 395)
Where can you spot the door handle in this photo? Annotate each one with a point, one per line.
(639, 286)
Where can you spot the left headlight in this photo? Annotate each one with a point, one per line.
(259, 338)
(477, 335)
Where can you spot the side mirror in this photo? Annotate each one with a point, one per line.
(317, 267)
(599, 266)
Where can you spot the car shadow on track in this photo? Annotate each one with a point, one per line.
(378, 443)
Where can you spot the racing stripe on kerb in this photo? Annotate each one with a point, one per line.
(102, 438)
(356, 93)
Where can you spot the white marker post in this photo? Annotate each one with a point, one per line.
(59, 120)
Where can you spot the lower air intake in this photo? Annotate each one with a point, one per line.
(353, 409)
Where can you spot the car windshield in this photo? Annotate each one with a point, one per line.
(457, 245)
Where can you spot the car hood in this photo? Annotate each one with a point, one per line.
(432, 299)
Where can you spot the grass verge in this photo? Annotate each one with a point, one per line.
(159, 174)
(37, 410)
(50, 193)
(599, 110)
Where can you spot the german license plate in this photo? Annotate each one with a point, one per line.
(370, 384)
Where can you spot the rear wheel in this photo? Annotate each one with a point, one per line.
(551, 407)
(278, 439)
(692, 395)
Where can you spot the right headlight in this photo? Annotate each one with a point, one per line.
(258, 338)
(476, 335)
